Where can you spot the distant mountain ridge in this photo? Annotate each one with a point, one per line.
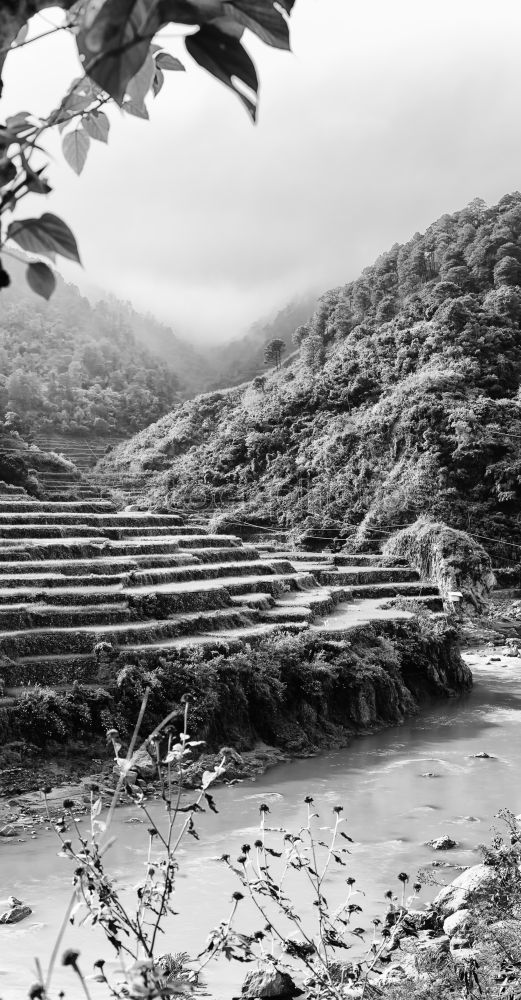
(404, 400)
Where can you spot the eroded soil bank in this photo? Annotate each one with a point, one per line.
(290, 697)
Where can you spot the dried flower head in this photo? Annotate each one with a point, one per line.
(70, 957)
(237, 896)
(68, 804)
(36, 992)
(263, 808)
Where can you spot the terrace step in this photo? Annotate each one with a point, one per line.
(95, 519)
(370, 590)
(32, 505)
(84, 547)
(82, 639)
(359, 575)
(14, 616)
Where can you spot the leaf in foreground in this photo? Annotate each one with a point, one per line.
(41, 279)
(48, 235)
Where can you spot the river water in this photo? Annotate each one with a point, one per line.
(399, 788)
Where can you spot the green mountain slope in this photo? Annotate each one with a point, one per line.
(404, 399)
(72, 367)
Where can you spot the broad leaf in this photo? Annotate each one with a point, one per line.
(225, 58)
(97, 125)
(263, 19)
(75, 146)
(165, 61)
(135, 109)
(115, 42)
(140, 84)
(41, 279)
(158, 82)
(190, 11)
(19, 122)
(47, 235)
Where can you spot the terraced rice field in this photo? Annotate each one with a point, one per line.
(74, 574)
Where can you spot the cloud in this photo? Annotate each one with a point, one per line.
(386, 116)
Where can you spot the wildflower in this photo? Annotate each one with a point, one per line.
(309, 800)
(152, 832)
(259, 936)
(99, 964)
(263, 808)
(389, 894)
(36, 992)
(237, 896)
(245, 848)
(417, 886)
(258, 844)
(403, 877)
(46, 791)
(70, 957)
(242, 859)
(112, 734)
(93, 787)
(225, 857)
(68, 804)
(338, 809)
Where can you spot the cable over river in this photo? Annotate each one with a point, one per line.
(399, 789)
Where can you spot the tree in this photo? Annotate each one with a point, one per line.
(124, 64)
(273, 352)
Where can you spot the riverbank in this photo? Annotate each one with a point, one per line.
(289, 697)
(401, 788)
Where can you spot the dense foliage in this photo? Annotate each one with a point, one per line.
(296, 692)
(75, 368)
(404, 400)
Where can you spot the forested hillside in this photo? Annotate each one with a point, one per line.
(404, 399)
(241, 359)
(72, 367)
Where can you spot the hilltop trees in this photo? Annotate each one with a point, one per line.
(74, 368)
(273, 352)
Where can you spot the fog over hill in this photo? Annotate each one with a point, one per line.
(404, 399)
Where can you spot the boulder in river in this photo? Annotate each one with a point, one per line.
(143, 764)
(444, 843)
(457, 894)
(16, 913)
(269, 982)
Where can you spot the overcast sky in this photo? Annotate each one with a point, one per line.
(387, 114)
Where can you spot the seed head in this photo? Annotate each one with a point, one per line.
(70, 957)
